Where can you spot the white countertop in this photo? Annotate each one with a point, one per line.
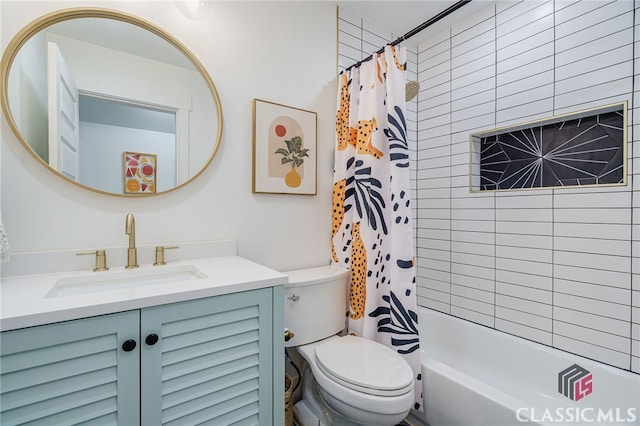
(25, 300)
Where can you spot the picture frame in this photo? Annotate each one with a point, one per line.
(284, 149)
(139, 172)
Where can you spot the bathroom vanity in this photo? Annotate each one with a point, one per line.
(201, 342)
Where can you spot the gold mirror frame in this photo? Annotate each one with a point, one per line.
(67, 14)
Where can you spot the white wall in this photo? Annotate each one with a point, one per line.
(249, 51)
(28, 91)
(556, 266)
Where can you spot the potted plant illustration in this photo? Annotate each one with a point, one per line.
(294, 154)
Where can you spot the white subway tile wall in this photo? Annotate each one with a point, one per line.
(556, 266)
(634, 166)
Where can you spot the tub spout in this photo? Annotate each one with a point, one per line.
(132, 251)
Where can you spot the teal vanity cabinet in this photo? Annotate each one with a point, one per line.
(71, 372)
(216, 360)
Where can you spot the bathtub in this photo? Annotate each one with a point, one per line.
(474, 376)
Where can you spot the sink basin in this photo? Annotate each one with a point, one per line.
(128, 278)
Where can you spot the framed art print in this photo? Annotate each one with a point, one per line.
(284, 149)
(139, 173)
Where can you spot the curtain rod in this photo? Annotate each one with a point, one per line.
(416, 30)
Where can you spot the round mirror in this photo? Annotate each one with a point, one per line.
(110, 102)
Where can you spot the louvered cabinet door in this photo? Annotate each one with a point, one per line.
(212, 362)
(71, 373)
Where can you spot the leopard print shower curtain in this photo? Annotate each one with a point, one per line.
(372, 225)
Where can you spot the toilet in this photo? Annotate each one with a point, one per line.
(346, 380)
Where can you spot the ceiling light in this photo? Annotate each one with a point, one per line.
(194, 9)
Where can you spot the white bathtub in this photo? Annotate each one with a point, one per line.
(474, 376)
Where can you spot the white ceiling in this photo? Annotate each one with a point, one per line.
(403, 16)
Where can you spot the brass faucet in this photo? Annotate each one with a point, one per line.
(132, 252)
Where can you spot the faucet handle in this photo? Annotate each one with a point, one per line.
(101, 259)
(160, 254)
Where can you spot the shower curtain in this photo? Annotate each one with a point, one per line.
(372, 225)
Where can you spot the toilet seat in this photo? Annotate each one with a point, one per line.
(364, 366)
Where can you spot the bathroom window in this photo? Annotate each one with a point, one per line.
(578, 149)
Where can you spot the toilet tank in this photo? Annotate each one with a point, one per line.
(315, 303)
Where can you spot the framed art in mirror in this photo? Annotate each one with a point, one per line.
(140, 173)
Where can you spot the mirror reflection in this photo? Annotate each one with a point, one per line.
(83, 93)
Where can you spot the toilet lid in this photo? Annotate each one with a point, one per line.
(365, 365)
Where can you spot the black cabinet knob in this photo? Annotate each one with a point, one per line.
(129, 345)
(151, 339)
